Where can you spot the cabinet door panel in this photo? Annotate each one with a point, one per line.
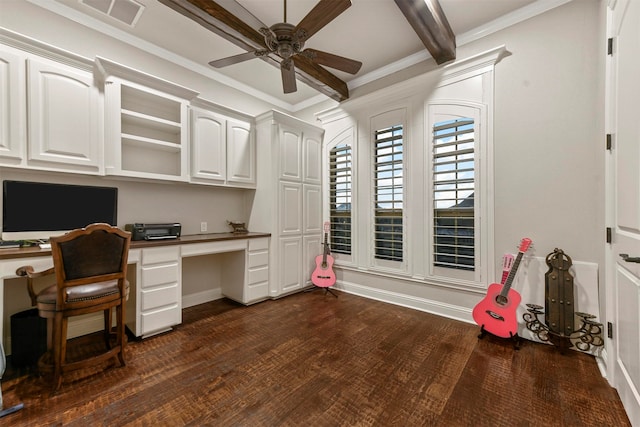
(312, 158)
(312, 209)
(241, 153)
(12, 112)
(208, 138)
(312, 248)
(290, 264)
(63, 119)
(290, 211)
(290, 154)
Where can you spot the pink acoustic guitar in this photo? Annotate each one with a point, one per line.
(323, 276)
(496, 313)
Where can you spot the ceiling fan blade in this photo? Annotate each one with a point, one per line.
(235, 59)
(336, 62)
(323, 13)
(322, 79)
(288, 72)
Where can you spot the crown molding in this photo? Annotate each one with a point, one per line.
(27, 44)
(536, 8)
(123, 36)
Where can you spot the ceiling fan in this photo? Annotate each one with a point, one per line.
(281, 45)
(287, 41)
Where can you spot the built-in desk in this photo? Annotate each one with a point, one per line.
(156, 273)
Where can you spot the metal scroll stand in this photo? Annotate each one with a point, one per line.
(15, 408)
(559, 325)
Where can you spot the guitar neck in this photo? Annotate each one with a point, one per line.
(512, 274)
(326, 250)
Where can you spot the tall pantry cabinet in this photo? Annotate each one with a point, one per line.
(288, 198)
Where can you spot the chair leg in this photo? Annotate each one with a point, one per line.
(59, 338)
(120, 332)
(107, 327)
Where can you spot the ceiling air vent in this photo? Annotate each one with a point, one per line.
(125, 11)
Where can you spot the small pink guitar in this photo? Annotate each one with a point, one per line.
(496, 313)
(323, 276)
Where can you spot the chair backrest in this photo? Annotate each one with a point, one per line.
(95, 253)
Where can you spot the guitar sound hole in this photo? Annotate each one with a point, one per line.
(502, 300)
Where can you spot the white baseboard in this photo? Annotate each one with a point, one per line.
(450, 311)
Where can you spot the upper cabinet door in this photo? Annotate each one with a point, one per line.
(208, 146)
(12, 108)
(290, 153)
(312, 157)
(241, 154)
(64, 125)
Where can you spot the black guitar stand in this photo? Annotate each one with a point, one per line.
(515, 338)
(327, 289)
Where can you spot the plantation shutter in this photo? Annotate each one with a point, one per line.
(388, 193)
(453, 194)
(340, 198)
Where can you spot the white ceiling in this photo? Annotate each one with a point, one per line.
(374, 32)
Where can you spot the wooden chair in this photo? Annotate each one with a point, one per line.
(90, 267)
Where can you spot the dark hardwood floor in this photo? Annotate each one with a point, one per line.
(314, 360)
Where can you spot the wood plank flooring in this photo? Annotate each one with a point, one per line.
(314, 360)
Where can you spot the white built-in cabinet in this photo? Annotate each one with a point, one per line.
(50, 111)
(63, 112)
(223, 148)
(288, 197)
(146, 124)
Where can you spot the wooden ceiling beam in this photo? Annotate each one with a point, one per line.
(430, 24)
(217, 19)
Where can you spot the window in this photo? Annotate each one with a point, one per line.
(340, 198)
(388, 193)
(453, 168)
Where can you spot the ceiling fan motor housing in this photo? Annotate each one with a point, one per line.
(282, 39)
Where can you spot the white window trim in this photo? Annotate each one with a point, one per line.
(347, 136)
(478, 112)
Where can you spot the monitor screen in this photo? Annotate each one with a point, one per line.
(37, 210)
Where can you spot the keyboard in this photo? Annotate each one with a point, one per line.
(8, 244)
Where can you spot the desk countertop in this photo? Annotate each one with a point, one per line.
(35, 251)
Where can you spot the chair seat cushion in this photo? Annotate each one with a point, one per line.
(92, 291)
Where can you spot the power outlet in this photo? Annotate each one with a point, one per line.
(203, 227)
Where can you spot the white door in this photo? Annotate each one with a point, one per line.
(623, 89)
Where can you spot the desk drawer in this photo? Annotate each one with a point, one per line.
(158, 297)
(258, 244)
(258, 259)
(161, 319)
(255, 275)
(160, 255)
(159, 275)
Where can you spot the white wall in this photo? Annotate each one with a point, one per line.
(548, 137)
(548, 149)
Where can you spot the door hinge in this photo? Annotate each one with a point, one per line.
(608, 234)
(609, 141)
(610, 46)
(609, 330)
